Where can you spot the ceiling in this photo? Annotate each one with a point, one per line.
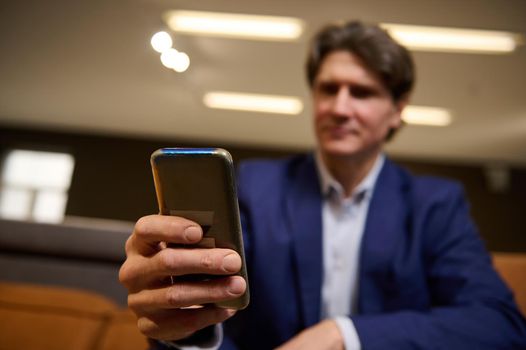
(88, 66)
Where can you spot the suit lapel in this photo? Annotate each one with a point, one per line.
(383, 233)
(304, 218)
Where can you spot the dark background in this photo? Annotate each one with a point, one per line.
(112, 179)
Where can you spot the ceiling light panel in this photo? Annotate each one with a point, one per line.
(235, 25)
(430, 116)
(253, 102)
(453, 40)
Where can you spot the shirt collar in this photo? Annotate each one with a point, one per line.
(364, 189)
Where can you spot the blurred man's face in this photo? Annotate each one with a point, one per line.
(353, 110)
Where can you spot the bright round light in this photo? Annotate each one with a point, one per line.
(181, 63)
(173, 59)
(169, 58)
(161, 41)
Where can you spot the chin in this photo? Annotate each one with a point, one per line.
(339, 150)
(347, 148)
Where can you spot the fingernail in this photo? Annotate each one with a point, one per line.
(192, 233)
(231, 263)
(237, 285)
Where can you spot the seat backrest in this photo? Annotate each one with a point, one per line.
(57, 318)
(512, 268)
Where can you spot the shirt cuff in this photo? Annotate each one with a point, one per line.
(211, 343)
(351, 340)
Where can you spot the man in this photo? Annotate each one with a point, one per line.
(344, 249)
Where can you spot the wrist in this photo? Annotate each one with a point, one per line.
(334, 333)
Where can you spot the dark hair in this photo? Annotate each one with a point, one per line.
(379, 52)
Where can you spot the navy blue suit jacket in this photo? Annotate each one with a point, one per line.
(425, 278)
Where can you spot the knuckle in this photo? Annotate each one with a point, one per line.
(173, 296)
(168, 260)
(132, 304)
(210, 262)
(138, 303)
(135, 304)
(148, 327)
(128, 245)
(141, 226)
(125, 276)
(207, 261)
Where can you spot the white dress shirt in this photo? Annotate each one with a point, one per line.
(343, 221)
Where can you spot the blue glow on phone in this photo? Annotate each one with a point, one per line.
(188, 150)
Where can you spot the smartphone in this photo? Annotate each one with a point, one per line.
(199, 184)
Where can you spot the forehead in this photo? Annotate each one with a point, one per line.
(345, 67)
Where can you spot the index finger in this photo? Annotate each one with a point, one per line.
(152, 229)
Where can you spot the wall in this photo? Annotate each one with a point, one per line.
(112, 179)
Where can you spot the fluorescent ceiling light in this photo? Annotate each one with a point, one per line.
(431, 116)
(253, 102)
(235, 25)
(453, 40)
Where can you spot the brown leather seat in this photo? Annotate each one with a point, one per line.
(512, 268)
(38, 317)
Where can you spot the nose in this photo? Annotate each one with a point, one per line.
(342, 103)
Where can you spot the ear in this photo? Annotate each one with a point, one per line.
(399, 106)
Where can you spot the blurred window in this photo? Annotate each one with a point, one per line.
(34, 185)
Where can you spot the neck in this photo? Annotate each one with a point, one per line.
(349, 171)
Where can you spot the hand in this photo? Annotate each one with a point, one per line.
(146, 273)
(322, 336)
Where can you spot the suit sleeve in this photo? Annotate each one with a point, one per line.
(471, 306)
